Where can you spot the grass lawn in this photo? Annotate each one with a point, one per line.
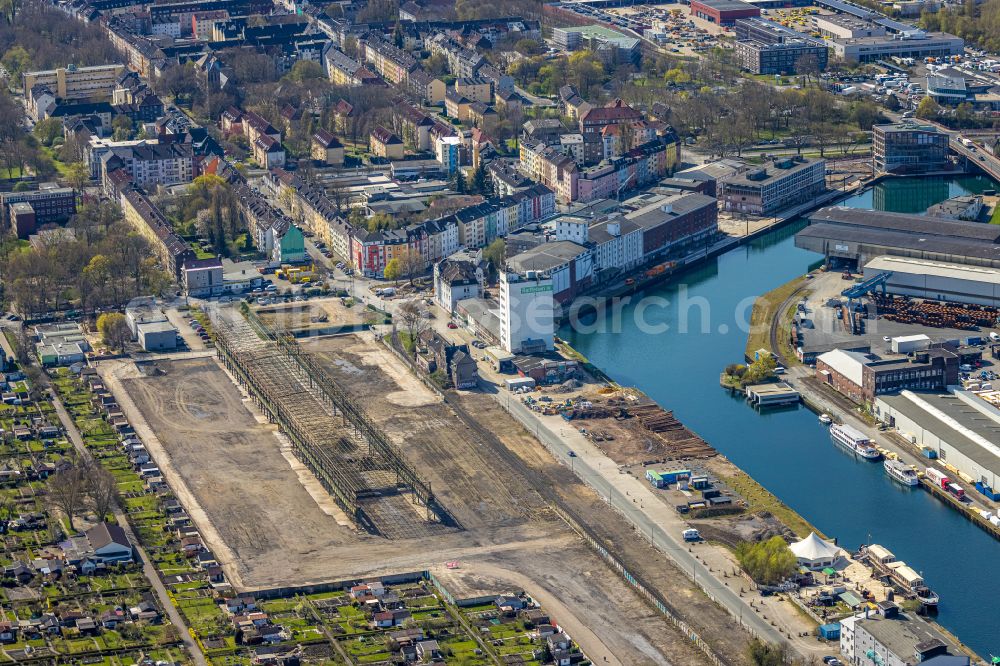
(764, 309)
(995, 218)
(61, 167)
(760, 499)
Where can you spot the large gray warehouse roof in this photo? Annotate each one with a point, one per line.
(923, 236)
(914, 224)
(964, 415)
(890, 241)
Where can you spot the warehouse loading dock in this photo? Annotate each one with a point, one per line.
(938, 280)
(961, 428)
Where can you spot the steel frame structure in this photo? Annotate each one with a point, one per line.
(350, 455)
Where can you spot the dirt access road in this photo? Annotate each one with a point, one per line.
(239, 483)
(493, 443)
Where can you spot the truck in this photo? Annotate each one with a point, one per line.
(956, 490)
(691, 535)
(937, 477)
(967, 142)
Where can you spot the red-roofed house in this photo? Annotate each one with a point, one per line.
(617, 112)
(326, 148)
(384, 143)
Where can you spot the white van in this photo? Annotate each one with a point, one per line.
(994, 336)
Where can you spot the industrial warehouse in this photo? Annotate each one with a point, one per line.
(937, 280)
(959, 428)
(855, 237)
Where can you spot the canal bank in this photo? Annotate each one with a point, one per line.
(671, 349)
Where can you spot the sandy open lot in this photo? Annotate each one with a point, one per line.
(270, 524)
(314, 314)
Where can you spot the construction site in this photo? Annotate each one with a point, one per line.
(291, 483)
(628, 426)
(330, 434)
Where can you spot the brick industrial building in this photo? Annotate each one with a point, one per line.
(723, 12)
(861, 377)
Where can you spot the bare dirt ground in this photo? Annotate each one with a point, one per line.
(311, 314)
(626, 440)
(476, 487)
(229, 468)
(488, 476)
(658, 572)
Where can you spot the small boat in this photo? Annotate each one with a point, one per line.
(854, 441)
(825, 419)
(928, 597)
(899, 471)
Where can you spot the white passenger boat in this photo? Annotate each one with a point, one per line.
(825, 419)
(854, 441)
(901, 472)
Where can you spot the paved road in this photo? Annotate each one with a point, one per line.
(634, 500)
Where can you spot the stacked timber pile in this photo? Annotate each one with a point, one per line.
(678, 440)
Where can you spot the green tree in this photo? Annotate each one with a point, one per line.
(965, 115)
(48, 130)
(393, 270)
(17, 60)
(496, 253)
(122, 126)
(677, 76)
(77, 176)
(479, 184)
(928, 109)
(113, 327)
(529, 47)
(381, 222)
(767, 562)
(304, 70)
(761, 369)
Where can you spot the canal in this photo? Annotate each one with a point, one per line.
(695, 327)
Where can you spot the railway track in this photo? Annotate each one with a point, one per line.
(776, 322)
(573, 518)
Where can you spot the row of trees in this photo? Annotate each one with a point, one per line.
(977, 24)
(39, 36)
(20, 152)
(82, 486)
(102, 262)
(730, 120)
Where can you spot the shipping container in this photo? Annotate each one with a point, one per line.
(956, 490)
(938, 478)
(676, 475)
